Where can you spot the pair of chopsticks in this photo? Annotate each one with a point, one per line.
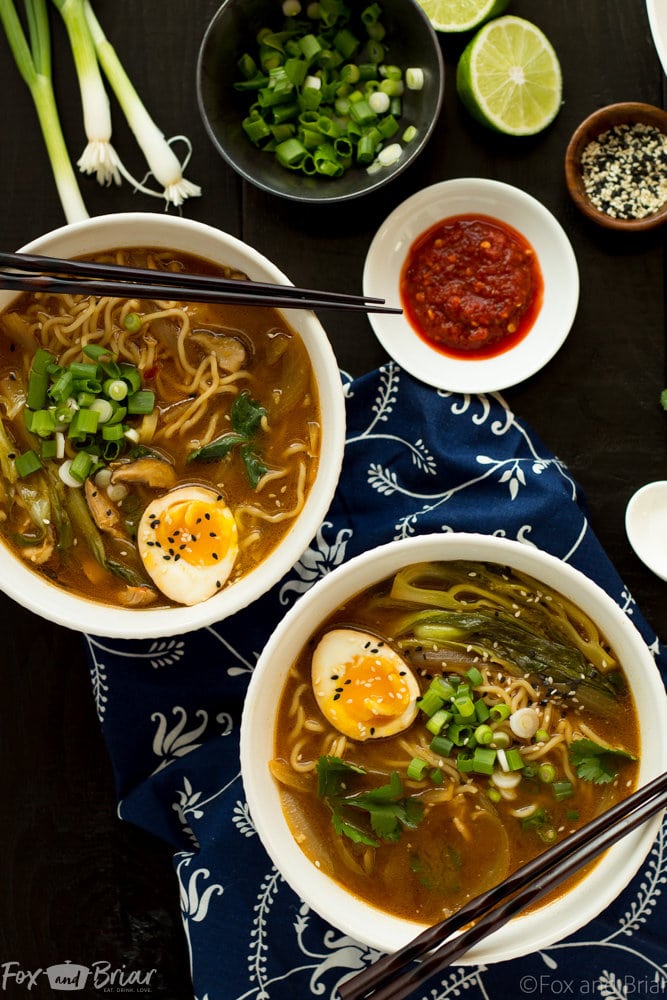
(35, 273)
(394, 976)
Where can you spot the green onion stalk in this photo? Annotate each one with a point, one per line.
(99, 157)
(34, 64)
(163, 163)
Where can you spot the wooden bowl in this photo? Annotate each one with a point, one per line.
(626, 113)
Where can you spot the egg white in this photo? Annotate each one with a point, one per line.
(188, 566)
(363, 686)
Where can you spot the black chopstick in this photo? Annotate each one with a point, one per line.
(52, 274)
(396, 975)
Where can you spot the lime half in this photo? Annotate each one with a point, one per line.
(509, 77)
(461, 15)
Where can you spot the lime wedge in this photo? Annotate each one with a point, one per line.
(461, 15)
(509, 77)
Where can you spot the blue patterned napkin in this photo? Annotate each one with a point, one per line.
(417, 460)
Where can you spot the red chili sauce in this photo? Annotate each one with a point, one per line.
(471, 286)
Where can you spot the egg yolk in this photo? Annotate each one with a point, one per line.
(365, 694)
(198, 532)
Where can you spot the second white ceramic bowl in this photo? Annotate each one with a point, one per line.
(350, 914)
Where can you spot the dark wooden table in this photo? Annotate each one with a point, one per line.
(75, 882)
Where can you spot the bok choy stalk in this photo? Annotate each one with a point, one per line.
(34, 64)
(500, 638)
(99, 157)
(162, 161)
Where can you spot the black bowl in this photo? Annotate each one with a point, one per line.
(411, 42)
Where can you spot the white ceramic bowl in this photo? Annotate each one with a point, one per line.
(348, 913)
(646, 526)
(170, 232)
(473, 195)
(657, 19)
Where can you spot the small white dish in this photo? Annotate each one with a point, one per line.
(646, 526)
(657, 19)
(465, 196)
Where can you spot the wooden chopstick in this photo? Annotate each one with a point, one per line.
(35, 273)
(396, 975)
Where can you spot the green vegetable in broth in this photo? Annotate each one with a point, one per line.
(385, 808)
(247, 416)
(596, 763)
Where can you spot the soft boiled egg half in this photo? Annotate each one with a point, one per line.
(363, 686)
(188, 542)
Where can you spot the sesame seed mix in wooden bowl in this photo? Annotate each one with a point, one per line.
(616, 166)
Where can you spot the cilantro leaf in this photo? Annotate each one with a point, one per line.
(331, 774)
(595, 762)
(388, 813)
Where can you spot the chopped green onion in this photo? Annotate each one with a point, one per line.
(546, 773)
(115, 389)
(141, 402)
(436, 775)
(132, 322)
(541, 736)
(464, 706)
(482, 710)
(38, 383)
(81, 465)
(460, 735)
(438, 720)
(510, 759)
(562, 790)
(326, 68)
(484, 734)
(501, 739)
(416, 769)
(441, 745)
(442, 687)
(61, 389)
(414, 78)
(113, 432)
(43, 423)
(103, 408)
(500, 712)
(26, 464)
(430, 702)
(474, 676)
(484, 760)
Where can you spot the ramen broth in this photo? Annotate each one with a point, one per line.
(197, 359)
(526, 658)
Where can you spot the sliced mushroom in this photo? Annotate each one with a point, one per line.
(105, 514)
(39, 554)
(148, 470)
(137, 597)
(229, 352)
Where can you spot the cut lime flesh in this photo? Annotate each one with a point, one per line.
(509, 77)
(461, 15)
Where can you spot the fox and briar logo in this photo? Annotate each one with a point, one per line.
(69, 976)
